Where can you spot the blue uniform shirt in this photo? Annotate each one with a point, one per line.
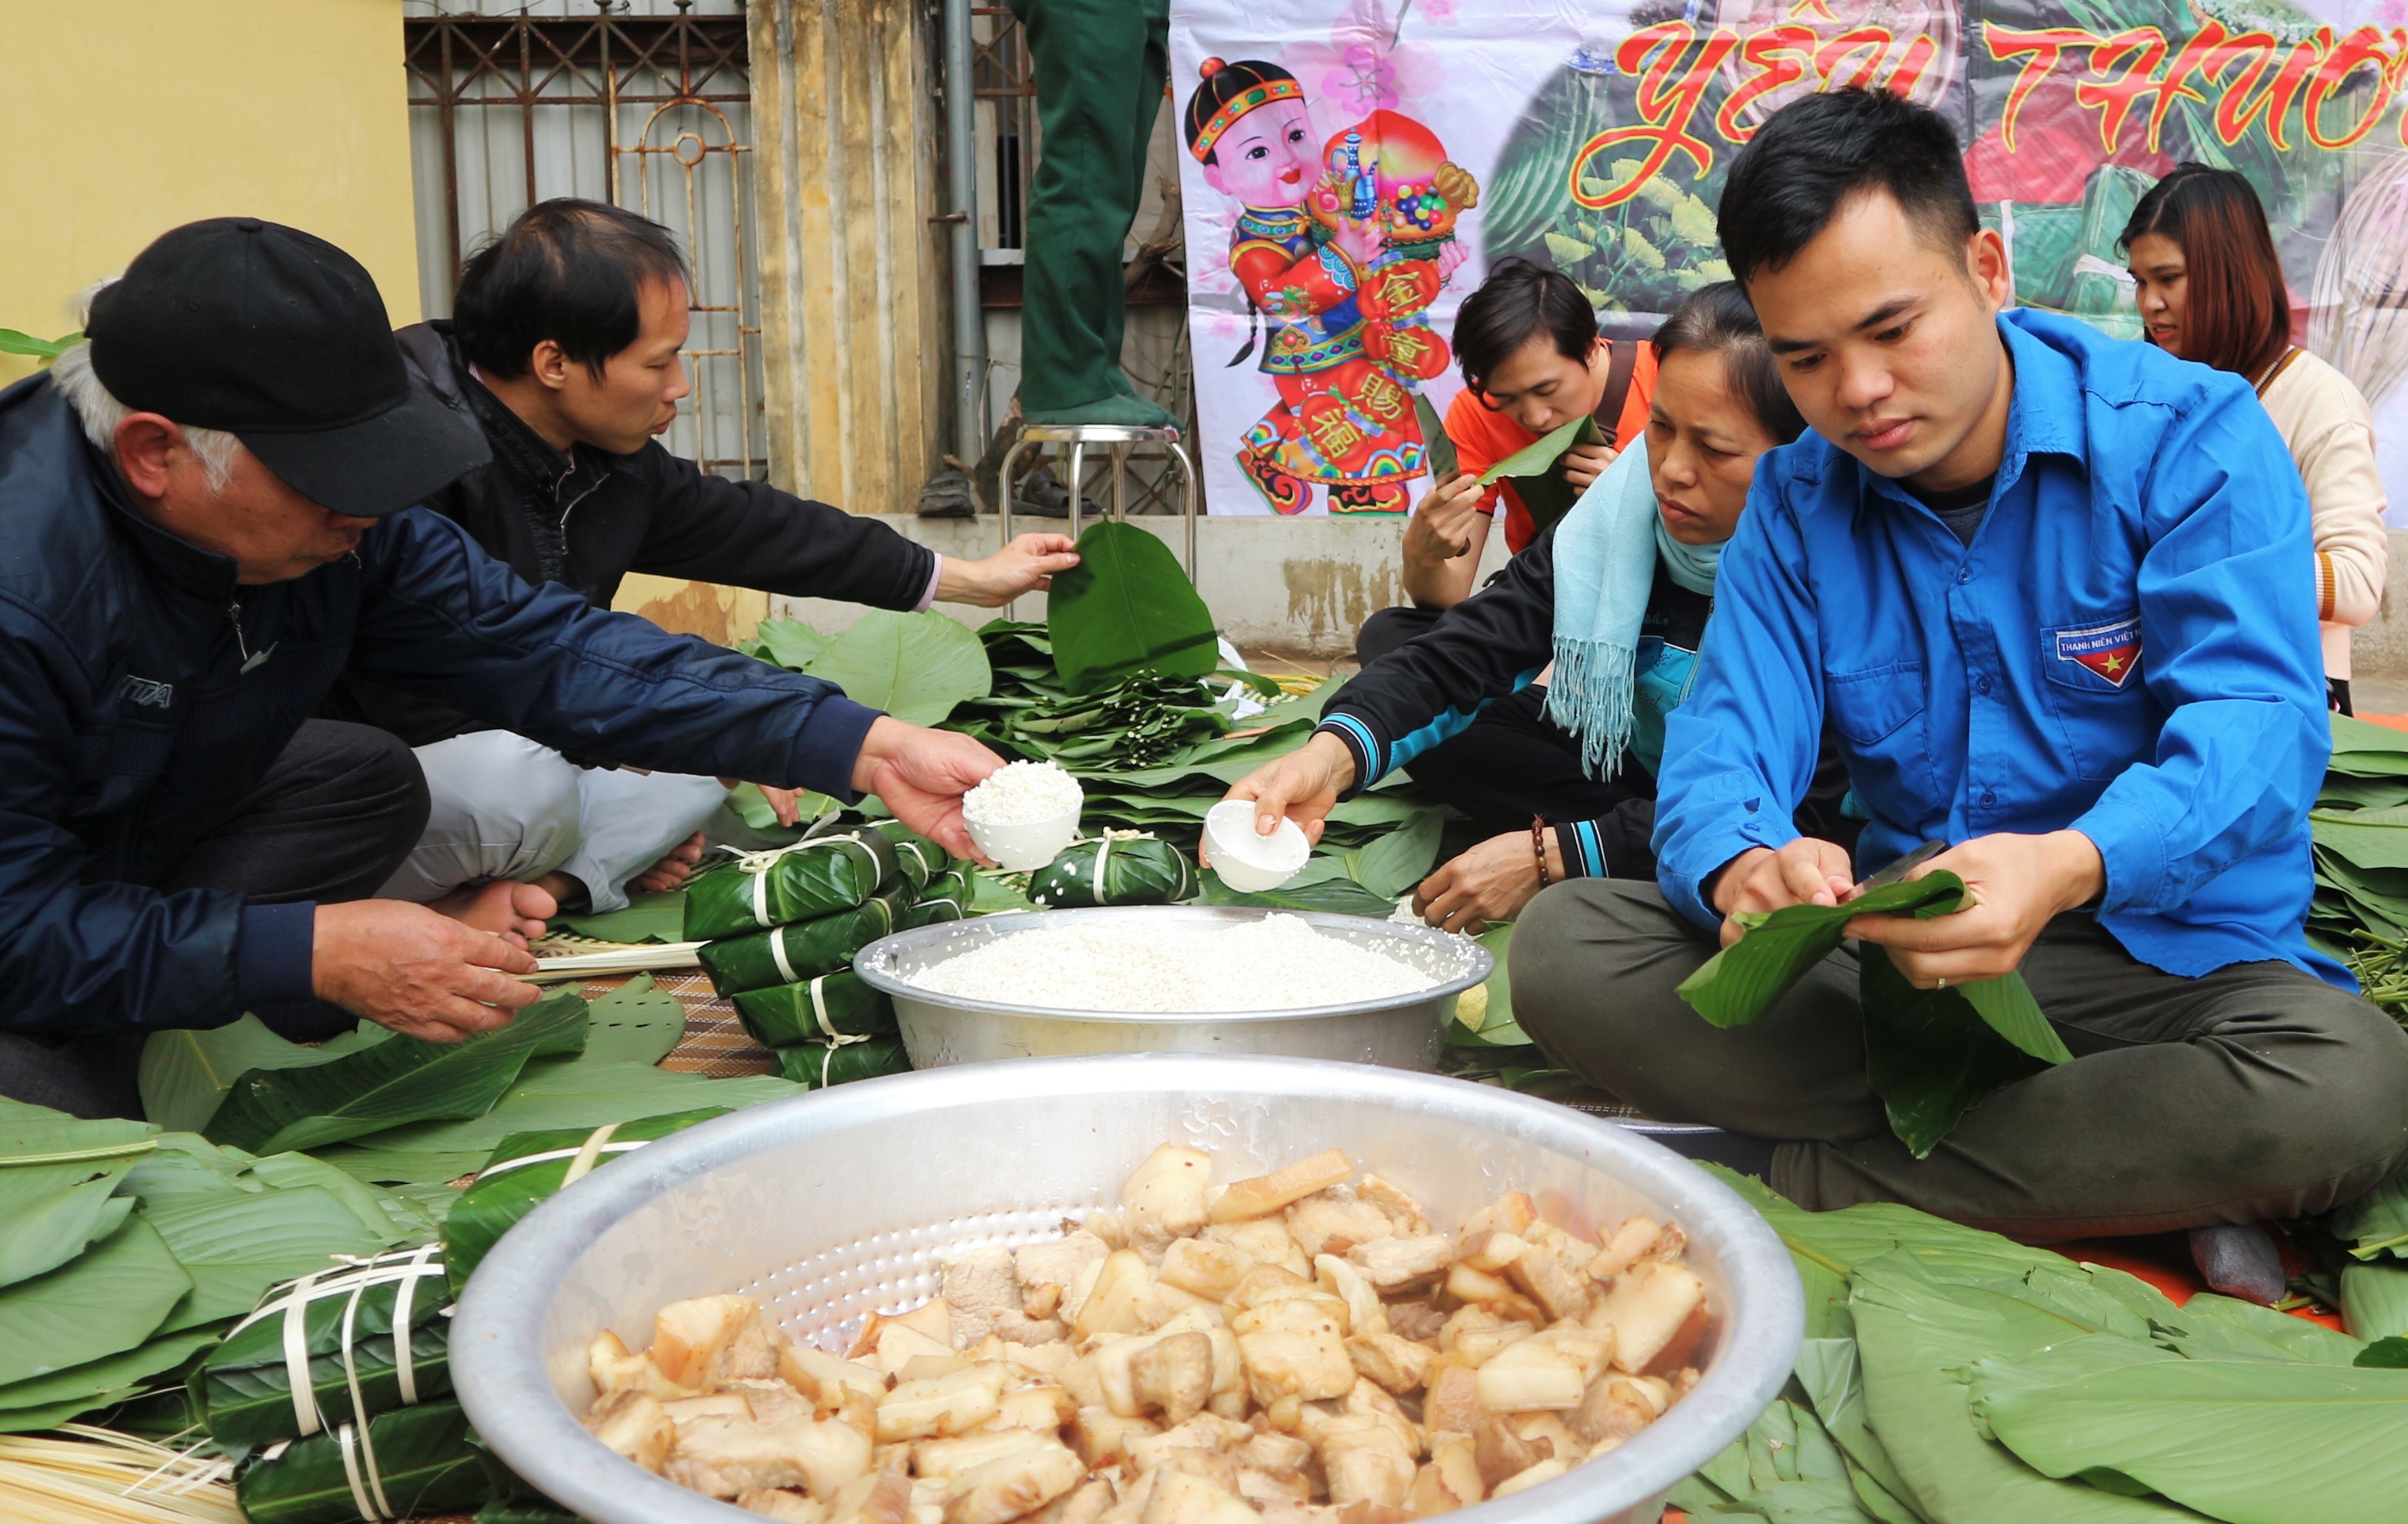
(2128, 647)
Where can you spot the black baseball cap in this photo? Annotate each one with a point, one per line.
(280, 339)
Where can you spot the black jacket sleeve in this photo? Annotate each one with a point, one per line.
(1428, 689)
(748, 534)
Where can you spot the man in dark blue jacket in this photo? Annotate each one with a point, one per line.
(210, 516)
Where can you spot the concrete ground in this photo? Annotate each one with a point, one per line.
(2379, 694)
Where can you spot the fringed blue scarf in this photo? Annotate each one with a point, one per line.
(1606, 551)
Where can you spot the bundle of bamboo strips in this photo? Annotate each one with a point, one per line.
(82, 1475)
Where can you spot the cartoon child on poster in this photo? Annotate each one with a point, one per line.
(1341, 251)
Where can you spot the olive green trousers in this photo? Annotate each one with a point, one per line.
(2257, 1091)
(1099, 66)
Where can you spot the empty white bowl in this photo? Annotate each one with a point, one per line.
(1247, 861)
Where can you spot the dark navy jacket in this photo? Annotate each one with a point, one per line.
(129, 727)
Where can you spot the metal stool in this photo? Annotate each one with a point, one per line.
(1118, 441)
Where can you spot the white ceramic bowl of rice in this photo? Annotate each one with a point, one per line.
(1174, 979)
(1023, 814)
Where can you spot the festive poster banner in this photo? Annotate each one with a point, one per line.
(1354, 168)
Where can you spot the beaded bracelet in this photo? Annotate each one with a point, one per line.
(1539, 847)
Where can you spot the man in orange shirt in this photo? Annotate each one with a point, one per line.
(1532, 361)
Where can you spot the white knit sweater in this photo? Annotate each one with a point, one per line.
(2331, 433)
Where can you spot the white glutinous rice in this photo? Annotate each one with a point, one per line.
(1276, 963)
(1022, 794)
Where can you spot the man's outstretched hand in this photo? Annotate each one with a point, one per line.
(1807, 871)
(1027, 565)
(422, 973)
(2014, 885)
(922, 774)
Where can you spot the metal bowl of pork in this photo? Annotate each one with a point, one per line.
(831, 1206)
(1400, 1031)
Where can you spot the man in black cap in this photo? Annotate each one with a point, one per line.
(565, 346)
(209, 514)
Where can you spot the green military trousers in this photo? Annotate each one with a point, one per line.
(1100, 69)
(2257, 1091)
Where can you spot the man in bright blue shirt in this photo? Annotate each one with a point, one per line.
(2053, 592)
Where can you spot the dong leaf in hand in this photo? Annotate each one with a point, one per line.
(1538, 457)
(1743, 981)
(402, 1079)
(915, 667)
(1928, 1056)
(1126, 608)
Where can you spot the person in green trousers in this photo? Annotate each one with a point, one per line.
(1100, 68)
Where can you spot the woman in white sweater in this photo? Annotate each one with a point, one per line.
(2211, 290)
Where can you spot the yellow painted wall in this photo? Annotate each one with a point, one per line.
(133, 116)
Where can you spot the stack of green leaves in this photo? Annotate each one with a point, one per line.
(1931, 1055)
(125, 1251)
(1118, 868)
(367, 1337)
(531, 1167)
(2360, 830)
(831, 1008)
(1952, 1376)
(948, 896)
(407, 1463)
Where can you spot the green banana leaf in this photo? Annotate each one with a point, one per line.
(2374, 1300)
(1498, 1029)
(1832, 1379)
(758, 814)
(1118, 868)
(184, 1075)
(2210, 1327)
(2376, 1223)
(805, 950)
(1540, 455)
(1743, 982)
(47, 1401)
(1929, 1056)
(994, 891)
(815, 1066)
(915, 667)
(837, 1004)
(920, 858)
(816, 876)
(236, 1247)
(2368, 838)
(1127, 607)
(1337, 897)
(2390, 1354)
(402, 1079)
(107, 1300)
(638, 1023)
(1916, 1336)
(242, 1392)
(1399, 860)
(1438, 446)
(58, 1179)
(507, 1188)
(647, 918)
(553, 1093)
(948, 896)
(423, 1464)
(784, 642)
(2201, 1433)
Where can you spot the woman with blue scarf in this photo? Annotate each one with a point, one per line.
(1536, 707)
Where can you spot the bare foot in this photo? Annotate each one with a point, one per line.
(513, 911)
(671, 871)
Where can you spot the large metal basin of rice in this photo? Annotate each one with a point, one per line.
(833, 1205)
(1403, 1031)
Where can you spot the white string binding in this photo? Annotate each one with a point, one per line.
(819, 1010)
(758, 865)
(548, 1156)
(405, 1364)
(777, 951)
(588, 1156)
